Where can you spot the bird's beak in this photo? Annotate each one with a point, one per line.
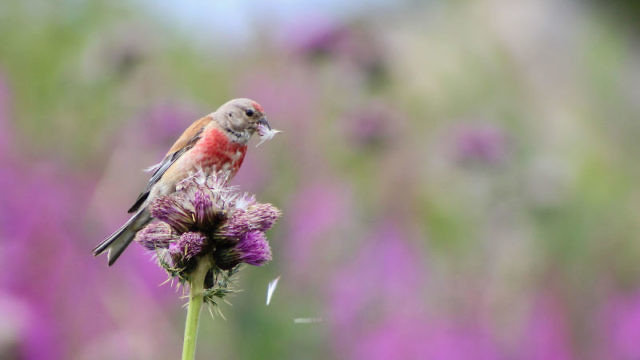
(263, 121)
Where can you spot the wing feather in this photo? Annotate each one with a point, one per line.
(186, 141)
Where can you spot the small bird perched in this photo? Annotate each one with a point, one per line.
(216, 143)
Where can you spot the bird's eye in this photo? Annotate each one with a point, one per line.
(249, 112)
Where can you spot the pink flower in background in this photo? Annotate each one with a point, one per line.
(413, 338)
(318, 38)
(621, 327)
(547, 335)
(25, 333)
(288, 98)
(377, 308)
(383, 281)
(372, 125)
(163, 123)
(45, 237)
(354, 45)
(482, 143)
(42, 237)
(316, 211)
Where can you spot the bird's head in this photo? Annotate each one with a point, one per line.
(240, 118)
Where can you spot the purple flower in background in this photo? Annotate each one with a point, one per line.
(372, 125)
(484, 143)
(547, 333)
(382, 281)
(355, 45)
(417, 339)
(43, 235)
(286, 94)
(621, 327)
(319, 38)
(26, 332)
(316, 210)
(163, 121)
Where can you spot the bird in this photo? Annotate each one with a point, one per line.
(216, 143)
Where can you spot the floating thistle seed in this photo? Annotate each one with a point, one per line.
(252, 248)
(157, 235)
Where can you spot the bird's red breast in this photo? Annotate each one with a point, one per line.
(215, 150)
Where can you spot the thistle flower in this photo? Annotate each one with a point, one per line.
(206, 218)
(260, 217)
(252, 248)
(189, 245)
(174, 211)
(157, 235)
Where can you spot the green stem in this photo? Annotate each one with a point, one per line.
(196, 292)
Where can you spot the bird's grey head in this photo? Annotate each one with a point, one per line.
(240, 118)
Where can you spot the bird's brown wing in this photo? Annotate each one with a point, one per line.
(186, 141)
(194, 130)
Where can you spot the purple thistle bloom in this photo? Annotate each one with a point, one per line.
(259, 217)
(157, 235)
(252, 249)
(187, 247)
(206, 217)
(172, 211)
(205, 211)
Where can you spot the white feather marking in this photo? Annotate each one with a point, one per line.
(153, 168)
(271, 289)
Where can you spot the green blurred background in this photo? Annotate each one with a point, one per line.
(458, 178)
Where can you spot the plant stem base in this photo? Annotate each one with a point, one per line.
(196, 293)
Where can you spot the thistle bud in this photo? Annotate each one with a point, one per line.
(206, 213)
(187, 246)
(252, 248)
(257, 217)
(157, 235)
(173, 211)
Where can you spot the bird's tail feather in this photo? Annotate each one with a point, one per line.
(121, 238)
